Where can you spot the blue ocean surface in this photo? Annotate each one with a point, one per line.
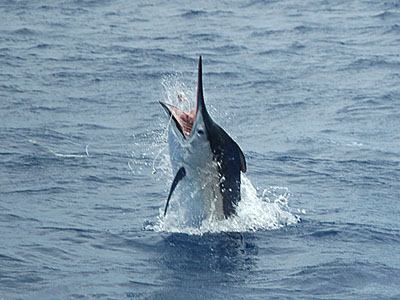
(310, 90)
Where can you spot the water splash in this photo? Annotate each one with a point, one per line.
(178, 93)
(254, 212)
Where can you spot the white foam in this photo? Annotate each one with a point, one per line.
(61, 154)
(254, 212)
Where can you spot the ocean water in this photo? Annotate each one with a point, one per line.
(309, 90)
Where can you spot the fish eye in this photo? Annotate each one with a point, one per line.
(200, 131)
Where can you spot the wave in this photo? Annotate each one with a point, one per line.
(25, 32)
(375, 62)
(193, 13)
(387, 15)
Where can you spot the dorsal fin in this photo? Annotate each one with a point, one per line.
(201, 107)
(200, 97)
(200, 104)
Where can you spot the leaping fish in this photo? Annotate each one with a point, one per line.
(207, 162)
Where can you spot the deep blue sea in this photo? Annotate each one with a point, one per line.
(310, 90)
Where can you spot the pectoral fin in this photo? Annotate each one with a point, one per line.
(178, 177)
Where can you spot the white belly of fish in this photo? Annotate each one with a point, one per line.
(200, 196)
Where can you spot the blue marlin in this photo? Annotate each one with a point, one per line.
(205, 159)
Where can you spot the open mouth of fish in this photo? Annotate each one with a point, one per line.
(184, 121)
